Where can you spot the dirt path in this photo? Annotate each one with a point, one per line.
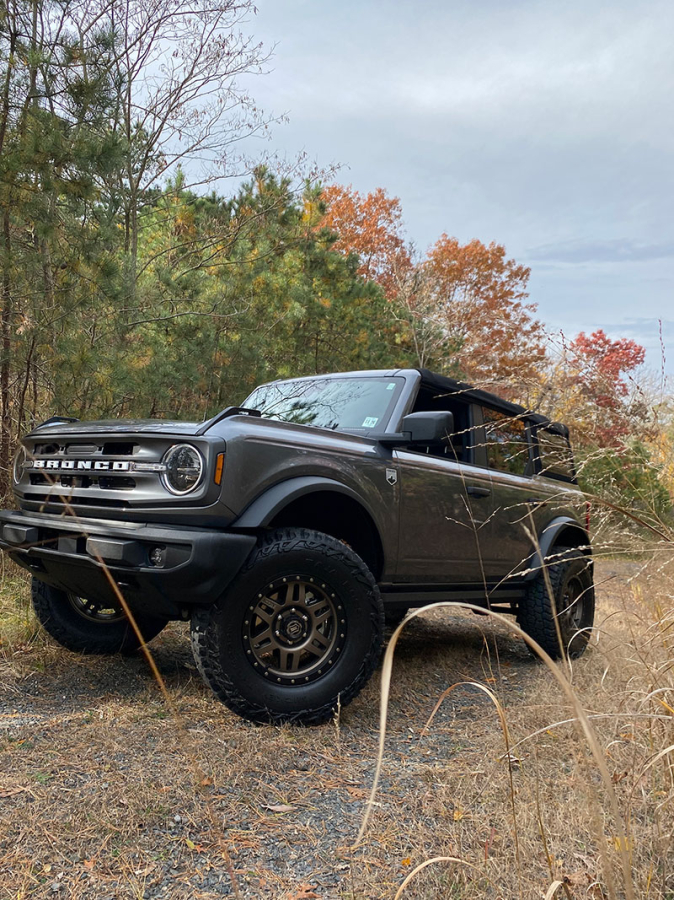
(105, 794)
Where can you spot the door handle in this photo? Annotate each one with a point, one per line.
(536, 501)
(474, 491)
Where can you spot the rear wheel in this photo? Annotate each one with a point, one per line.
(296, 635)
(89, 626)
(571, 606)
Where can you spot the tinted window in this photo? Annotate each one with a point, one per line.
(507, 442)
(555, 456)
(354, 404)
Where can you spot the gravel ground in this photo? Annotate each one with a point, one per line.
(107, 792)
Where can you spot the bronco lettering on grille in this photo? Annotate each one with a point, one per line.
(79, 465)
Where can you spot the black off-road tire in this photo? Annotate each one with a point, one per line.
(302, 600)
(573, 594)
(66, 619)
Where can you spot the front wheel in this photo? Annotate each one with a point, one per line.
(296, 635)
(88, 626)
(571, 606)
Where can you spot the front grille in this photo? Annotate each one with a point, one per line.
(108, 483)
(113, 471)
(92, 471)
(64, 502)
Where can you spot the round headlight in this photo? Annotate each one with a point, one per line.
(184, 468)
(19, 460)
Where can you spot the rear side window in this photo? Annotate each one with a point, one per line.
(555, 456)
(507, 442)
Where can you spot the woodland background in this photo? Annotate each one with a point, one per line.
(150, 265)
(155, 262)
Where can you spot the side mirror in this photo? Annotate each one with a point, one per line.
(428, 427)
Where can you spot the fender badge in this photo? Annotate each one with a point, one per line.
(391, 476)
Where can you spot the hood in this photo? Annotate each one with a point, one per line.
(118, 426)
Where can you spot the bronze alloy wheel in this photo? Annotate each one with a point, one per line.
(95, 610)
(573, 611)
(295, 631)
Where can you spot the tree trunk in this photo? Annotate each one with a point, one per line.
(24, 389)
(5, 339)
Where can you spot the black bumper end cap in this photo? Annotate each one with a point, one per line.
(20, 534)
(129, 553)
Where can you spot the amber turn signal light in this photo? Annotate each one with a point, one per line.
(219, 466)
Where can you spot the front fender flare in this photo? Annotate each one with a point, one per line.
(266, 507)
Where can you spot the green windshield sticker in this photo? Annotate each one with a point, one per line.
(390, 386)
(370, 422)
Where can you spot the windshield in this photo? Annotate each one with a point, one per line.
(353, 404)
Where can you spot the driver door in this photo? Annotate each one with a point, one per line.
(445, 505)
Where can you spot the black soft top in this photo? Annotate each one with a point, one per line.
(445, 385)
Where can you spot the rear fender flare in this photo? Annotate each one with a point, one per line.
(549, 537)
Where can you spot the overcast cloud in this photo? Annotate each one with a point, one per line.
(544, 126)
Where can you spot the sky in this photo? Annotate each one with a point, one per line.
(544, 126)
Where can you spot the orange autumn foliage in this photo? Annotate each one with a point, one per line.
(371, 226)
(480, 296)
(465, 305)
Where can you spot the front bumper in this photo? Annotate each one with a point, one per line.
(161, 570)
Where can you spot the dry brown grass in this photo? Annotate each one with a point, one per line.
(99, 796)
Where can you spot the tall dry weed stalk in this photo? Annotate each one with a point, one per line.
(624, 711)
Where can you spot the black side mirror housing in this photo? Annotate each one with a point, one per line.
(422, 428)
(428, 427)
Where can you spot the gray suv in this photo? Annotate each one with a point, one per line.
(290, 529)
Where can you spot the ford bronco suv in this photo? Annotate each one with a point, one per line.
(288, 529)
